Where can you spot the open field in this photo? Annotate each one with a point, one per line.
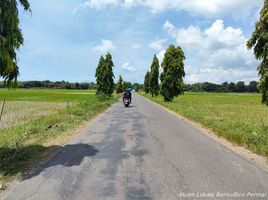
(19, 112)
(33, 119)
(44, 94)
(24, 105)
(240, 118)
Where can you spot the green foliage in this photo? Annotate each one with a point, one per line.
(224, 87)
(173, 73)
(119, 85)
(10, 39)
(147, 82)
(258, 42)
(124, 85)
(241, 87)
(154, 77)
(253, 86)
(136, 87)
(105, 76)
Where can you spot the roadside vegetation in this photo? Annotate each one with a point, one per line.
(33, 119)
(239, 118)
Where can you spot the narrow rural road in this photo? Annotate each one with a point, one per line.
(142, 153)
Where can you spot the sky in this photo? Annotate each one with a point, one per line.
(65, 39)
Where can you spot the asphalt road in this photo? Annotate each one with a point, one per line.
(143, 153)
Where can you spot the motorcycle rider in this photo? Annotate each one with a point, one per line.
(127, 94)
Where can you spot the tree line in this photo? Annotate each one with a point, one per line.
(224, 87)
(53, 85)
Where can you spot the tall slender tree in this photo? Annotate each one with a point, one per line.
(109, 75)
(147, 82)
(105, 76)
(119, 85)
(100, 76)
(154, 77)
(11, 39)
(259, 43)
(173, 73)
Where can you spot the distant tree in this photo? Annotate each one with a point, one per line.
(253, 86)
(136, 87)
(129, 85)
(154, 77)
(209, 87)
(187, 87)
(11, 39)
(147, 82)
(241, 87)
(124, 85)
(119, 85)
(232, 87)
(173, 73)
(258, 42)
(224, 87)
(84, 86)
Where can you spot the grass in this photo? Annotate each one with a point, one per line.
(240, 118)
(58, 95)
(19, 112)
(25, 142)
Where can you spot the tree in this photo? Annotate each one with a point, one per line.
(224, 87)
(258, 42)
(136, 87)
(209, 87)
(241, 87)
(147, 82)
(119, 85)
(253, 86)
(100, 76)
(154, 77)
(108, 75)
(173, 73)
(232, 87)
(10, 39)
(124, 85)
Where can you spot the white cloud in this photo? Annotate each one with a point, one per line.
(104, 47)
(219, 75)
(219, 49)
(158, 44)
(127, 67)
(160, 56)
(136, 46)
(208, 8)
(99, 3)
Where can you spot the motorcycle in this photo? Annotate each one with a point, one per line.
(126, 101)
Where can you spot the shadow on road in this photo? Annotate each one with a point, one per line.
(15, 160)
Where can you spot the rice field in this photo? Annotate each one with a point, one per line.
(19, 112)
(24, 105)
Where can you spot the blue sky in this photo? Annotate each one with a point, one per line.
(64, 39)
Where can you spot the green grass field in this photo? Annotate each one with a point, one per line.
(33, 119)
(44, 94)
(240, 118)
